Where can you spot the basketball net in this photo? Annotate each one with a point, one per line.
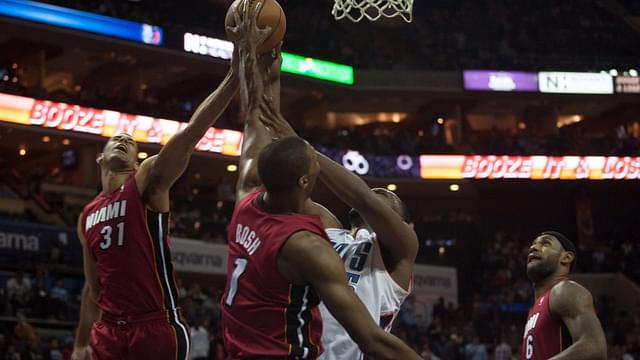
(356, 10)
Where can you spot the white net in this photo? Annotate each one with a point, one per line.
(356, 10)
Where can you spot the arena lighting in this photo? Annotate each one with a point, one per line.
(613, 72)
(22, 151)
(46, 139)
(529, 167)
(291, 63)
(454, 187)
(142, 155)
(232, 168)
(633, 72)
(66, 142)
(575, 83)
(82, 21)
(392, 187)
(440, 121)
(144, 129)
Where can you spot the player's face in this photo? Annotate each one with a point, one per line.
(544, 256)
(121, 152)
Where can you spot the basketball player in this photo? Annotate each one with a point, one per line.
(378, 252)
(281, 263)
(562, 324)
(129, 307)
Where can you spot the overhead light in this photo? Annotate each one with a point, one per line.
(46, 139)
(232, 168)
(440, 121)
(22, 151)
(633, 72)
(66, 142)
(219, 204)
(441, 250)
(454, 187)
(613, 72)
(395, 117)
(392, 187)
(142, 155)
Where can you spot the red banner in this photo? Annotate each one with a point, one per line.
(529, 167)
(107, 123)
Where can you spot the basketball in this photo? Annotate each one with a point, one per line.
(271, 15)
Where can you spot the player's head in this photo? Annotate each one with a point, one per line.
(551, 253)
(119, 153)
(391, 199)
(288, 166)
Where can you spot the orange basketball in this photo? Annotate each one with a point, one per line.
(271, 15)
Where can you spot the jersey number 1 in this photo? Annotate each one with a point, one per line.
(241, 266)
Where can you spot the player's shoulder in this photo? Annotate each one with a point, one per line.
(569, 296)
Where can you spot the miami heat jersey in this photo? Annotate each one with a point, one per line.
(545, 335)
(368, 277)
(265, 316)
(129, 246)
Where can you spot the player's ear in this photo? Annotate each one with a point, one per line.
(100, 158)
(567, 258)
(303, 181)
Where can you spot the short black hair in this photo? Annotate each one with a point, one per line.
(282, 163)
(391, 199)
(567, 245)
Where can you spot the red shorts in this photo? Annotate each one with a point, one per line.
(160, 336)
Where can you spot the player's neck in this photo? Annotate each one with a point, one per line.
(543, 286)
(112, 180)
(281, 204)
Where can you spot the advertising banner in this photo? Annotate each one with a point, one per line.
(107, 123)
(529, 167)
(575, 83)
(486, 80)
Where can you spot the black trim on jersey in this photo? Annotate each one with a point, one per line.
(565, 338)
(165, 275)
(293, 310)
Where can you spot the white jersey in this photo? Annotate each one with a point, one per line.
(369, 278)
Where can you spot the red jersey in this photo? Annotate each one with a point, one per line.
(129, 246)
(545, 335)
(265, 316)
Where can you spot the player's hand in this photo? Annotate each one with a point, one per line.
(247, 34)
(81, 353)
(273, 119)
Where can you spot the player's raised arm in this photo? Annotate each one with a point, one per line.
(259, 75)
(307, 258)
(158, 173)
(574, 305)
(89, 310)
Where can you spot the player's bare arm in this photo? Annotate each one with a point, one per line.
(89, 310)
(306, 258)
(158, 173)
(574, 305)
(252, 88)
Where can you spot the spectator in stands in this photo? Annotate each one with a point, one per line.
(18, 291)
(427, 354)
(475, 350)
(54, 352)
(23, 331)
(199, 340)
(503, 350)
(42, 306)
(407, 315)
(60, 295)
